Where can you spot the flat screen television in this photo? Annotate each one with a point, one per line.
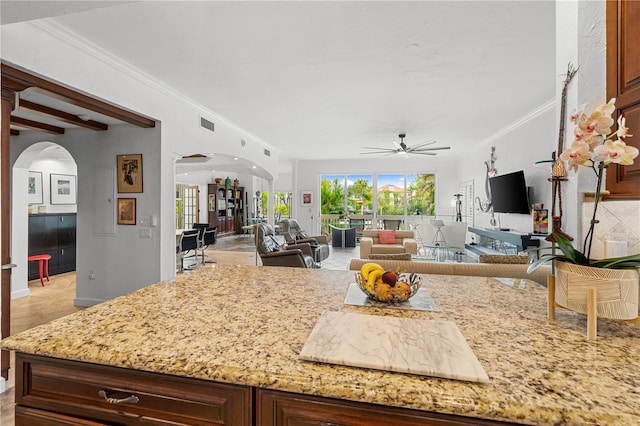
(509, 193)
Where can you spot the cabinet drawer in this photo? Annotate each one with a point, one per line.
(122, 396)
(289, 409)
(26, 416)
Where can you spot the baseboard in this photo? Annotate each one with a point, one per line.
(20, 293)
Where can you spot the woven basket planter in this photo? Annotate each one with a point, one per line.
(616, 290)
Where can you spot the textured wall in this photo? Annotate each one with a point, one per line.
(619, 221)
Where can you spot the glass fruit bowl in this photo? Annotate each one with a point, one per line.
(406, 287)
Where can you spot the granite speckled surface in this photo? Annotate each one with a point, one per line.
(247, 325)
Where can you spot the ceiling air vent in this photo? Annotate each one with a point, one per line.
(267, 152)
(207, 124)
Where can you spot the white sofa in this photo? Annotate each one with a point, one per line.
(507, 270)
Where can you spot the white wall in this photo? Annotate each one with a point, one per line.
(122, 260)
(531, 140)
(50, 52)
(306, 176)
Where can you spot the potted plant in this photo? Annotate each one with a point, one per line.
(595, 146)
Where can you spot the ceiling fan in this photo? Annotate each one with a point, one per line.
(402, 149)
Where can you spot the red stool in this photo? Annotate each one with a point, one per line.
(43, 259)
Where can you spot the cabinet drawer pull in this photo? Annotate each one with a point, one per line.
(129, 400)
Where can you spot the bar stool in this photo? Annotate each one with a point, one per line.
(43, 260)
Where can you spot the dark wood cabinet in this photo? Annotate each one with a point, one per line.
(623, 83)
(54, 391)
(226, 208)
(282, 408)
(55, 235)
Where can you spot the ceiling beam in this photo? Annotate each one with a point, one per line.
(14, 132)
(43, 110)
(19, 80)
(34, 125)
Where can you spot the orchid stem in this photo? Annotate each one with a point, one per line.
(589, 237)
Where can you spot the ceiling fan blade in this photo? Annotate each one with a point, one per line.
(398, 146)
(421, 145)
(378, 148)
(435, 148)
(386, 151)
(424, 153)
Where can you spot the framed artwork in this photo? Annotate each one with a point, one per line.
(34, 188)
(540, 221)
(306, 198)
(129, 173)
(63, 189)
(126, 211)
(212, 202)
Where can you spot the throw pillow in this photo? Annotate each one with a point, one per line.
(387, 237)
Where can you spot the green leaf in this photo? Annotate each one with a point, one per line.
(625, 262)
(567, 248)
(546, 258)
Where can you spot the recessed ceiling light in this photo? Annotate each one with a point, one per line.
(235, 158)
(253, 167)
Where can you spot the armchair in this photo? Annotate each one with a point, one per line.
(273, 254)
(294, 235)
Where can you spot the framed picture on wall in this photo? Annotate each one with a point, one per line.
(34, 188)
(306, 198)
(129, 173)
(63, 189)
(126, 211)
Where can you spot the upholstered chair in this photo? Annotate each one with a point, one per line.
(273, 254)
(293, 234)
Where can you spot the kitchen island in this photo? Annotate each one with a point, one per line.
(222, 344)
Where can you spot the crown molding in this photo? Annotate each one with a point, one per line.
(73, 39)
(522, 120)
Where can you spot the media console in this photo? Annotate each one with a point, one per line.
(519, 240)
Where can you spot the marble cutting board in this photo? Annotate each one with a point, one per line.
(405, 345)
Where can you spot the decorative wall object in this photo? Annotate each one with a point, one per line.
(126, 211)
(34, 188)
(129, 173)
(63, 189)
(558, 171)
(487, 204)
(306, 198)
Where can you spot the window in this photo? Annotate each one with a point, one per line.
(282, 204)
(360, 194)
(332, 192)
(397, 194)
(190, 206)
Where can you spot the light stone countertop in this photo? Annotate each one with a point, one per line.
(247, 325)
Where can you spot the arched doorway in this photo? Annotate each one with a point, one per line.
(44, 182)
